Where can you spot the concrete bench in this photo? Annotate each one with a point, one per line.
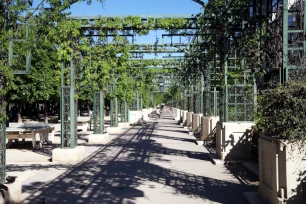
(17, 131)
(83, 123)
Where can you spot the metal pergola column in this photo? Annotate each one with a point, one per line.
(98, 114)
(68, 107)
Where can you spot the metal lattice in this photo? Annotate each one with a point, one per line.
(65, 130)
(240, 103)
(122, 112)
(98, 113)
(211, 99)
(114, 112)
(69, 108)
(75, 132)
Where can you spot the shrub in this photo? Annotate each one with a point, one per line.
(283, 111)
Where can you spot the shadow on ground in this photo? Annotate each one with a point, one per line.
(116, 171)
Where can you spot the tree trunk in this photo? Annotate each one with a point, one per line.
(37, 111)
(19, 112)
(88, 108)
(46, 112)
(79, 107)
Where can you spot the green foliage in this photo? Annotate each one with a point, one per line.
(42, 83)
(283, 111)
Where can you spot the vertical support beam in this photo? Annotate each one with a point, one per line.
(125, 112)
(68, 107)
(116, 112)
(225, 96)
(101, 111)
(111, 113)
(201, 95)
(2, 132)
(137, 100)
(284, 68)
(63, 107)
(98, 107)
(141, 102)
(215, 102)
(304, 27)
(122, 111)
(73, 109)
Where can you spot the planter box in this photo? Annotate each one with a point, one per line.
(181, 116)
(196, 121)
(208, 127)
(184, 116)
(189, 119)
(282, 171)
(177, 115)
(233, 141)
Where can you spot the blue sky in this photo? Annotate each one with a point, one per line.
(136, 7)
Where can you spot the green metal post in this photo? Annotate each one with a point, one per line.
(101, 111)
(137, 95)
(116, 112)
(201, 95)
(111, 113)
(68, 108)
(225, 96)
(285, 41)
(141, 103)
(121, 112)
(128, 115)
(98, 112)
(304, 27)
(73, 109)
(125, 112)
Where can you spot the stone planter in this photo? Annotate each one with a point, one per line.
(208, 127)
(181, 116)
(177, 116)
(184, 116)
(196, 122)
(189, 119)
(282, 171)
(233, 141)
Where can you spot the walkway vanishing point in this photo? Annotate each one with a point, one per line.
(156, 163)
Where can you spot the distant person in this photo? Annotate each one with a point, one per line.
(157, 112)
(107, 110)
